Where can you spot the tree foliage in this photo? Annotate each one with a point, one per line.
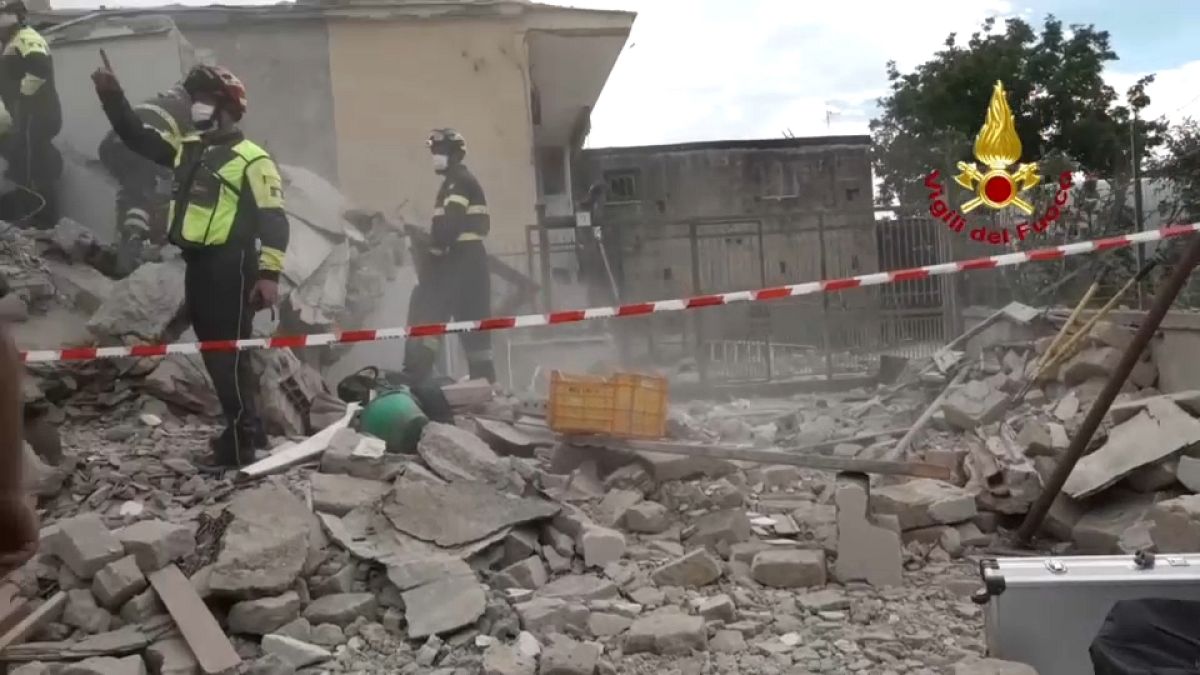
(1066, 115)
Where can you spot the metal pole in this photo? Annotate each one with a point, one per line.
(697, 318)
(1162, 302)
(762, 276)
(826, 338)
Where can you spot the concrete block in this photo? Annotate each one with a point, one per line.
(601, 546)
(85, 545)
(796, 568)
(698, 568)
(156, 543)
(667, 635)
(264, 615)
(118, 582)
(924, 502)
(529, 573)
(866, 550)
(719, 530)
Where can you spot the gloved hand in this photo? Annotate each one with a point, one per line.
(105, 81)
(265, 294)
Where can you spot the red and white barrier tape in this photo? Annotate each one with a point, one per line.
(636, 309)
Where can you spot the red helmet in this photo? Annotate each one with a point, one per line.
(220, 83)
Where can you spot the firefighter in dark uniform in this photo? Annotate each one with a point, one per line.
(28, 91)
(144, 195)
(453, 278)
(227, 196)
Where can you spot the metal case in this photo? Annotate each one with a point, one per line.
(1046, 611)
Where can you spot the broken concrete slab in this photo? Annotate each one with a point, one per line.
(107, 665)
(458, 455)
(501, 659)
(443, 606)
(82, 612)
(459, 512)
(156, 543)
(118, 582)
(411, 573)
(529, 573)
(647, 518)
(1125, 410)
(666, 634)
(601, 546)
(719, 530)
(697, 568)
(867, 548)
(663, 467)
(296, 653)
(582, 587)
(1176, 525)
(264, 615)
(794, 568)
(85, 545)
(1097, 362)
(1113, 523)
(340, 494)
(266, 545)
(141, 306)
(172, 656)
(346, 455)
(551, 615)
(974, 404)
(924, 502)
(566, 656)
(340, 609)
(978, 666)
(1188, 472)
(1161, 429)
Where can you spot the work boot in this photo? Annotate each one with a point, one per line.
(228, 455)
(482, 370)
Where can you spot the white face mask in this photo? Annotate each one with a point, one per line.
(440, 162)
(202, 114)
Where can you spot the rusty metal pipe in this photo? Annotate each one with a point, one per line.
(1162, 302)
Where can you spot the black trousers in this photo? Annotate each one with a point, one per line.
(35, 165)
(455, 286)
(217, 287)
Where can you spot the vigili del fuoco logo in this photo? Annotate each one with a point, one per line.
(997, 148)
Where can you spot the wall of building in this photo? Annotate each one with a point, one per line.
(285, 66)
(393, 81)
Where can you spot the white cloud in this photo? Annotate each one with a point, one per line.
(1175, 93)
(712, 69)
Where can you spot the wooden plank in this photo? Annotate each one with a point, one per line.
(13, 608)
(301, 452)
(820, 462)
(832, 443)
(45, 613)
(200, 630)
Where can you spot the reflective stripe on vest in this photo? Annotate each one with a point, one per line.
(172, 134)
(212, 201)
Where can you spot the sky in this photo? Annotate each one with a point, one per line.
(697, 70)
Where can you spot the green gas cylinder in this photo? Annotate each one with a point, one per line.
(395, 417)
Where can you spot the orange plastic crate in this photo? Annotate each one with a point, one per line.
(625, 405)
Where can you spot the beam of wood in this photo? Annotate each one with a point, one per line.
(821, 462)
(301, 452)
(832, 443)
(897, 451)
(44, 614)
(200, 630)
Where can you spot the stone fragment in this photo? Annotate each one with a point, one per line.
(529, 573)
(797, 568)
(1036, 440)
(603, 624)
(718, 608)
(265, 545)
(827, 600)
(409, 574)
(978, 666)
(107, 665)
(630, 477)
(521, 543)
(664, 467)
(719, 530)
(612, 508)
(443, 606)
(341, 609)
(172, 656)
(1098, 362)
(296, 653)
(340, 494)
(580, 587)
(666, 634)
(142, 606)
(565, 656)
(601, 546)
(1188, 472)
(341, 458)
(341, 581)
(647, 518)
(867, 549)
(973, 404)
(459, 513)
(727, 642)
(264, 615)
(697, 568)
(458, 455)
(545, 615)
(1155, 476)
(501, 659)
(328, 635)
(156, 543)
(85, 545)
(1176, 525)
(82, 612)
(1160, 430)
(1114, 524)
(271, 664)
(118, 582)
(924, 502)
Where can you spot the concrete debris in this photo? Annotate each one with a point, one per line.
(264, 615)
(339, 494)
(85, 545)
(118, 582)
(295, 653)
(1118, 523)
(345, 456)
(1176, 525)
(443, 606)
(974, 404)
(924, 502)
(155, 543)
(501, 659)
(1160, 430)
(172, 656)
(458, 513)
(266, 545)
(666, 634)
(868, 547)
(141, 306)
(341, 609)
(698, 568)
(796, 568)
(105, 665)
(564, 656)
(458, 455)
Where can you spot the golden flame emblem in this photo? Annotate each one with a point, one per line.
(998, 147)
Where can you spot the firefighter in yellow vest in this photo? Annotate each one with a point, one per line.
(144, 195)
(28, 91)
(227, 198)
